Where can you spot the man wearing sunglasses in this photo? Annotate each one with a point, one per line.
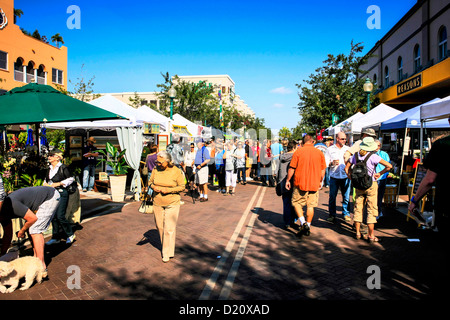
(334, 158)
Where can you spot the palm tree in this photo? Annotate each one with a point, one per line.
(58, 39)
(17, 14)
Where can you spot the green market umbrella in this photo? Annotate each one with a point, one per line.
(37, 103)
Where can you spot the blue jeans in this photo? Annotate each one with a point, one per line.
(326, 183)
(61, 228)
(289, 215)
(335, 185)
(241, 175)
(89, 177)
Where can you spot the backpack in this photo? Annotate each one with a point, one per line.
(361, 179)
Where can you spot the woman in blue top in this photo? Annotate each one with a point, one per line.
(382, 179)
(220, 166)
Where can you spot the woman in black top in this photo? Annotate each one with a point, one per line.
(59, 177)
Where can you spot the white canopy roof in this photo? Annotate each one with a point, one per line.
(191, 126)
(374, 118)
(107, 102)
(435, 110)
(100, 124)
(337, 128)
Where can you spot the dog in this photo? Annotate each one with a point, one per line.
(11, 272)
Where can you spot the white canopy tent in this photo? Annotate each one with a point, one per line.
(191, 126)
(149, 115)
(374, 118)
(433, 111)
(337, 128)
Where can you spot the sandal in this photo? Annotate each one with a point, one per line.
(374, 239)
(358, 236)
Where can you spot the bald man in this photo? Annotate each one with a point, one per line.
(334, 158)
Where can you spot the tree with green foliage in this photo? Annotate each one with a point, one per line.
(58, 39)
(336, 87)
(285, 132)
(136, 101)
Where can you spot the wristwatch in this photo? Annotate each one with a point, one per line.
(412, 200)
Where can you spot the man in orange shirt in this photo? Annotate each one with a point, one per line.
(307, 167)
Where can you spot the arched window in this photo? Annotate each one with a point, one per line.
(18, 70)
(442, 37)
(386, 77)
(30, 71)
(417, 64)
(400, 69)
(41, 74)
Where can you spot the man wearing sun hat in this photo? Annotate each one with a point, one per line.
(89, 162)
(366, 132)
(369, 196)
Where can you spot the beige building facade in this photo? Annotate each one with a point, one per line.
(224, 82)
(410, 65)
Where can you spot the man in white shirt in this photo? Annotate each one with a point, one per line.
(334, 157)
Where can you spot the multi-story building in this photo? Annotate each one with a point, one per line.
(224, 82)
(24, 59)
(410, 65)
(226, 85)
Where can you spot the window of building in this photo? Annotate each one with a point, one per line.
(57, 76)
(417, 64)
(30, 72)
(18, 70)
(442, 43)
(386, 77)
(375, 80)
(400, 68)
(41, 74)
(3, 60)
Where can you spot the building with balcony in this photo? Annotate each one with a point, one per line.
(24, 59)
(410, 65)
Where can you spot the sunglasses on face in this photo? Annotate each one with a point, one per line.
(159, 163)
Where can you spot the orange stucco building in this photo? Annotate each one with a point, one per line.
(24, 59)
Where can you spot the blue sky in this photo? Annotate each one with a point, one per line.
(266, 47)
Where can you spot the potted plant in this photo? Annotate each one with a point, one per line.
(118, 178)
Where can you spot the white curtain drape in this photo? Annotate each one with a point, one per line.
(130, 139)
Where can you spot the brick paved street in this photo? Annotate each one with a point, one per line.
(118, 253)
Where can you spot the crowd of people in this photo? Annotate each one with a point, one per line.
(297, 170)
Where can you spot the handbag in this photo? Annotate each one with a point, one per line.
(146, 205)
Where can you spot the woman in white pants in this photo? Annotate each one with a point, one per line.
(230, 169)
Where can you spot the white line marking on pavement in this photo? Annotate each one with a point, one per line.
(211, 283)
(226, 290)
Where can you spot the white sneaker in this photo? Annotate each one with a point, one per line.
(52, 241)
(70, 239)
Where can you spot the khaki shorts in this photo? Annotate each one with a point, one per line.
(201, 176)
(369, 198)
(301, 198)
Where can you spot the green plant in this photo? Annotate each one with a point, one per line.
(114, 159)
(31, 181)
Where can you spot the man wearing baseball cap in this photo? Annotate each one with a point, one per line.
(90, 162)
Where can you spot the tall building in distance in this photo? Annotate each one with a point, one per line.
(25, 59)
(410, 65)
(224, 82)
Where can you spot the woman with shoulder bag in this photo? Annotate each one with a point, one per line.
(59, 177)
(166, 181)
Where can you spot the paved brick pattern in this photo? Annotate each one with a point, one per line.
(118, 254)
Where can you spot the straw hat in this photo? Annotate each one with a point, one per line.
(368, 144)
(57, 153)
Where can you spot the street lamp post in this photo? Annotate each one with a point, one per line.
(221, 111)
(172, 95)
(368, 87)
